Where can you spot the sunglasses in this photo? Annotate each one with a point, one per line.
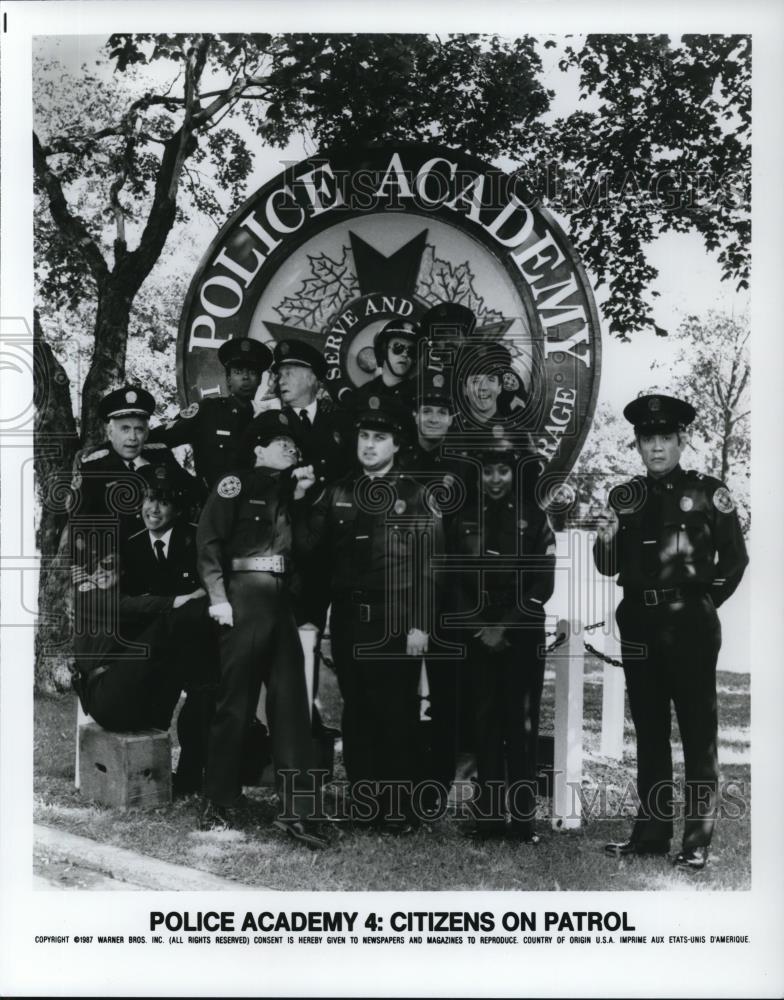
(398, 349)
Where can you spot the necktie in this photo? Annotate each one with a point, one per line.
(303, 416)
(651, 527)
(159, 547)
(132, 465)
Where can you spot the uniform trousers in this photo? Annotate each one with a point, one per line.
(140, 688)
(380, 690)
(262, 646)
(506, 691)
(669, 656)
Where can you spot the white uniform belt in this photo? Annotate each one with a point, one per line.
(259, 564)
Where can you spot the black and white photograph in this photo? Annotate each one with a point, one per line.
(386, 593)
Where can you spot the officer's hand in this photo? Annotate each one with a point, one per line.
(222, 613)
(492, 636)
(181, 599)
(608, 525)
(305, 477)
(416, 642)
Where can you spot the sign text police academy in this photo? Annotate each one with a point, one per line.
(313, 191)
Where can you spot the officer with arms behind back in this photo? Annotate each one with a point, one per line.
(674, 539)
(245, 544)
(214, 427)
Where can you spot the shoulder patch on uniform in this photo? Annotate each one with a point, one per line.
(98, 453)
(229, 487)
(722, 500)
(189, 411)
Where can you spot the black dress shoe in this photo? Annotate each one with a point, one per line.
(624, 848)
(302, 832)
(692, 859)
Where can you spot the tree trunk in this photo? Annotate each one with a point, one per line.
(107, 370)
(56, 443)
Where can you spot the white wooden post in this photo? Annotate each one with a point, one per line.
(612, 712)
(568, 750)
(82, 719)
(307, 638)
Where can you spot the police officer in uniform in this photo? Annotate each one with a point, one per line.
(245, 544)
(159, 582)
(396, 347)
(110, 480)
(674, 539)
(378, 531)
(325, 430)
(505, 622)
(214, 427)
(455, 482)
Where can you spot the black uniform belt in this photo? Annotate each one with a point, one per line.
(667, 595)
(259, 564)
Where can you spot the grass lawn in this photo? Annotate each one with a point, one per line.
(441, 858)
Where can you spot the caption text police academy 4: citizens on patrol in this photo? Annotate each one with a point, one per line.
(418, 920)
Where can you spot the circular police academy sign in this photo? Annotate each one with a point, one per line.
(334, 247)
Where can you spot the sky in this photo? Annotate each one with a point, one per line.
(689, 280)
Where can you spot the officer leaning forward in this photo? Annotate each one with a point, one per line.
(214, 427)
(140, 644)
(674, 539)
(245, 543)
(378, 532)
(160, 586)
(110, 480)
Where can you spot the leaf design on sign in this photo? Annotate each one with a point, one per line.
(440, 281)
(332, 285)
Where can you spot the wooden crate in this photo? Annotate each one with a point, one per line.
(125, 769)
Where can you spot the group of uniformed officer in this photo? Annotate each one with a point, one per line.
(417, 549)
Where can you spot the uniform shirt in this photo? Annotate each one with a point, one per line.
(404, 392)
(142, 573)
(214, 429)
(676, 531)
(329, 443)
(247, 514)
(515, 544)
(104, 487)
(378, 535)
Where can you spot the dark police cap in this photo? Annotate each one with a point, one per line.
(447, 321)
(383, 413)
(247, 352)
(486, 358)
(130, 400)
(659, 413)
(297, 352)
(269, 425)
(434, 388)
(397, 328)
(164, 483)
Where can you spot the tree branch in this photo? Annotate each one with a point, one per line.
(71, 226)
